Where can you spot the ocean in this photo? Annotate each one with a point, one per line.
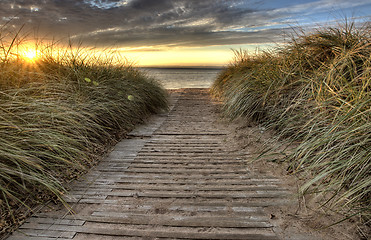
(175, 78)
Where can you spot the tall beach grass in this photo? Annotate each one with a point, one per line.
(58, 115)
(314, 91)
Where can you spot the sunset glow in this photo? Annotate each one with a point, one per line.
(184, 57)
(30, 55)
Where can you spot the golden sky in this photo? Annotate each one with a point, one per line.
(206, 56)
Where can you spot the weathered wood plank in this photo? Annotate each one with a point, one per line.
(40, 233)
(179, 221)
(190, 187)
(105, 231)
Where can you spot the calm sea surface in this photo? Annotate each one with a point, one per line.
(173, 78)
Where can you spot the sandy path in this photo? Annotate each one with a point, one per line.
(178, 177)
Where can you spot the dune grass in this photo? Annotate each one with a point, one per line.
(58, 115)
(314, 91)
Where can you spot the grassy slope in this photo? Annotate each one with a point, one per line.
(57, 116)
(314, 91)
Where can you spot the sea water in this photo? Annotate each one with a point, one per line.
(174, 78)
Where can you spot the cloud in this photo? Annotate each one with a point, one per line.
(169, 23)
(321, 6)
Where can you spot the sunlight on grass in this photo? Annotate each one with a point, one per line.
(59, 114)
(315, 91)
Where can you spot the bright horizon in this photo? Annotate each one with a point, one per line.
(174, 33)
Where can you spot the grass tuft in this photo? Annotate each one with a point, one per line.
(314, 91)
(58, 114)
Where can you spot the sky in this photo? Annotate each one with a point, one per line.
(175, 32)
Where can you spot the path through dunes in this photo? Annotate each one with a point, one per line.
(174, 178)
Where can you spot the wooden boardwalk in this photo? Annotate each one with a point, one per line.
(175, 178)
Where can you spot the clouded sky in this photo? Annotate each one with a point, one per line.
(175, 32)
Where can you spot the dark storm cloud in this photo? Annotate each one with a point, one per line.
(148, 22)
(136, 22)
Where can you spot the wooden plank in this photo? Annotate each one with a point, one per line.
(23, 237)
(104, 231)
(172, 144)
(257, 201)
(188, 155)
(196, 171)
(186, 210)
(204, 181)
(174, 194)
(40, 233)
(168, 141)
(70, 222)
(179, 221)
(168, 187)
(186, 165)
(179, 160)
(199, 148)
(194, 177)
(173, 133)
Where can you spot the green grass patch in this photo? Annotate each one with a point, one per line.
(314, 91)
(58, 115)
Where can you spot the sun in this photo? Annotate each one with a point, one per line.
(30, 55)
